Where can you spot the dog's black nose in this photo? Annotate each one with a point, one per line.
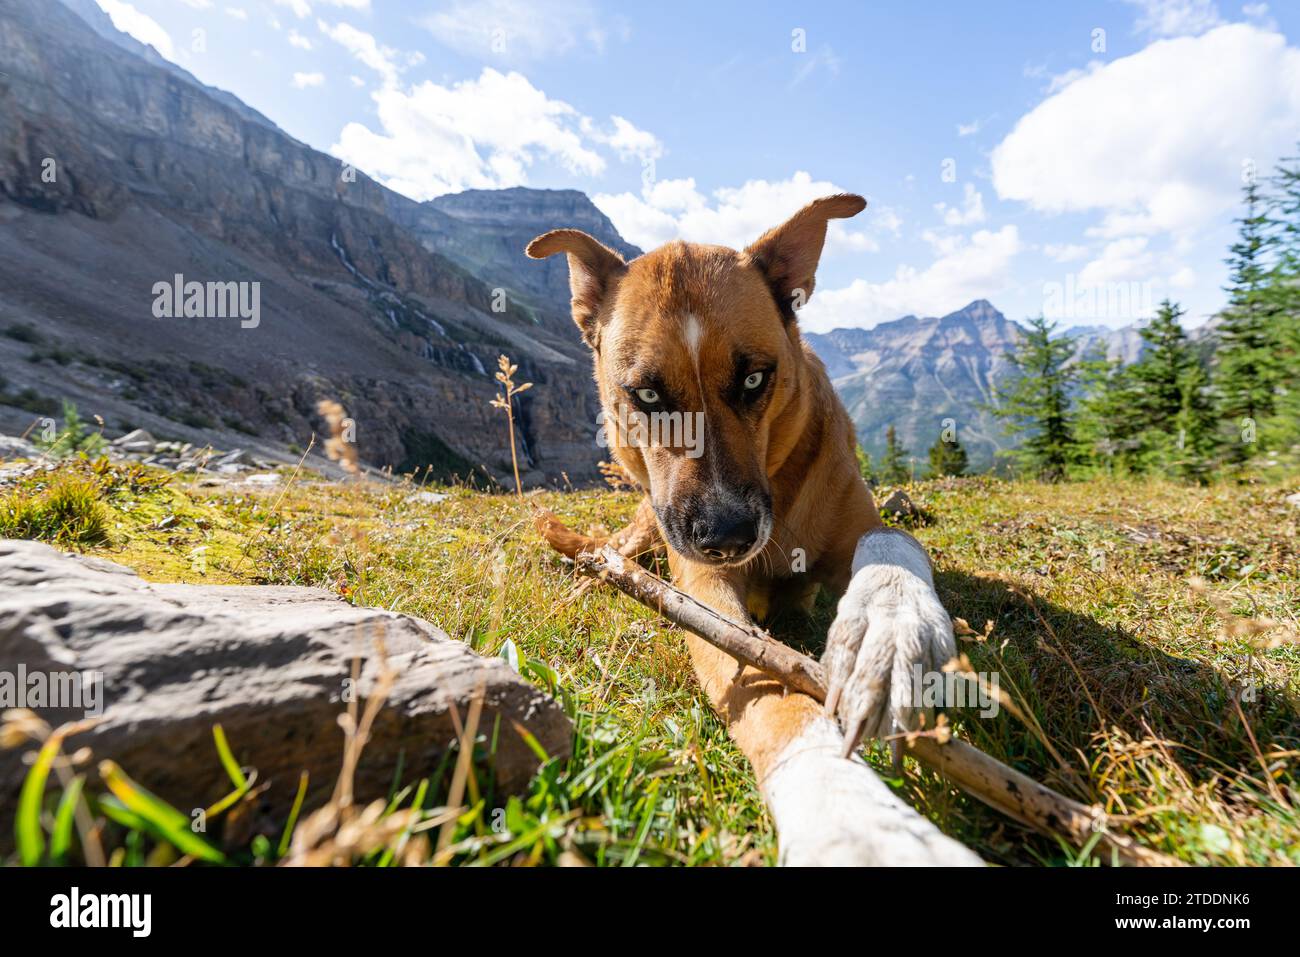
(725, 536)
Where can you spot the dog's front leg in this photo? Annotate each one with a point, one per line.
(827, 810)
(889, 630)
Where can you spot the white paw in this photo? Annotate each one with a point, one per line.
(889, 632)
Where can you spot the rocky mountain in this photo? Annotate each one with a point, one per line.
(119, 174)
(915, 373)
(1123, 345)
(101, 23)
(486, 230)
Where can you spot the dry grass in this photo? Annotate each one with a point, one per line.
(1142, 688)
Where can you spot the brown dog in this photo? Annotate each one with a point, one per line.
(716, 406)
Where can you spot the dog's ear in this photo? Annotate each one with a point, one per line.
(788, 254)
(592, 266)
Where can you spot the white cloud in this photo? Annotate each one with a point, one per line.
(1121, 260)
(476, 134)
(1059, 81)
(383, 60)
(302, 81)
(198, 4)
(628, 140)
(519, 29)
(978, 268)
(139, 25)
(1259, 13)
(1156, 141)
(1065, 252)
(970, 213)
(356, 80)
(731, 216)
(1175, 18)
(296, 39)
(239, 13)
(968, 129)
(302, 8)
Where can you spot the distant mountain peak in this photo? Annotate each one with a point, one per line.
(978, 310)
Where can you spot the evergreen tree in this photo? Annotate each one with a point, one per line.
(1036, 401)
(1282, 430)
(947, 457)
(1247, 375)
(1108, 421)
(864, 465)
(893, 468)
(1163, 367)
(1178, 432)
(1195, 425)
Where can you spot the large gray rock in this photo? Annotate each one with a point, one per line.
(270, 664)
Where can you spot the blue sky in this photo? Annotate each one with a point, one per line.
(1082, 159)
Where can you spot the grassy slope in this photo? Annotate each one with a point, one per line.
(1095, 632)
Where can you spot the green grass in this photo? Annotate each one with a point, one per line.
(66, 511)
(1134, 677)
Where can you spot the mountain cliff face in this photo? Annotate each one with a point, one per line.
(117, 173)
(916, 373)
(102, 24)
(486, 231)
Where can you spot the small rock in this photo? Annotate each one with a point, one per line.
(427, 498)
(263, 478)
(233, 457)
(137, 440)
(1293, 499)
(898, 505)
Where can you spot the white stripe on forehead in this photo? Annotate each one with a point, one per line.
(692, 332)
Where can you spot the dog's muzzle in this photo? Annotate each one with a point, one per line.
(728, 531)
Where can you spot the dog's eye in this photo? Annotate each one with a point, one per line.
(648, 396)
(753, 380)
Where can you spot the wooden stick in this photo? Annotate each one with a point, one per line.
(978, 774)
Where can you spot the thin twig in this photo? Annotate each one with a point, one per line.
(980, 775)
